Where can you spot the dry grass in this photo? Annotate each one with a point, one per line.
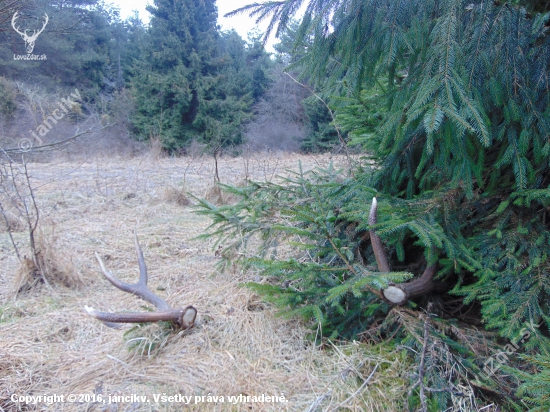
(48, 345)
(10, 219)
(51, 267)
(156, 151)
(176, 195)
(215, 195)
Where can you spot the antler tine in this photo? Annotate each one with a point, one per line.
(116, 283)
(141, 261)
(140, 288)
(377, 246)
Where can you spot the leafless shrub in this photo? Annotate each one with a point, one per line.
(47, 266)
(106, 120)
(10, 217)
(214, 195)
(279, 123)
(273, 135)
(110, 142)
(112, 111)
(156, 151)
(40, 119)
(116, 140)
(196, 149)
(18, 199)
(40, 261)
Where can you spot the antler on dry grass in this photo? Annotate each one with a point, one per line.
(183, 318)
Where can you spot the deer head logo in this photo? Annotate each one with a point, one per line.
(29, 40)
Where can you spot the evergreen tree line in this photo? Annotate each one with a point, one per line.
(185, 79)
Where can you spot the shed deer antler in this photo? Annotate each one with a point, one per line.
(399, 293)
(183, 318)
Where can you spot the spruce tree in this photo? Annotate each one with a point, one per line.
(192, 82)
(171, 76)
(450, 101)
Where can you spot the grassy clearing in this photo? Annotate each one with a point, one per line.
(48, 345)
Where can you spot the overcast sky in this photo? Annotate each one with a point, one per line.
(242, 23)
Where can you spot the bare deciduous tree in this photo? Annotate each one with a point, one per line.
(18, 205)
(280, 121)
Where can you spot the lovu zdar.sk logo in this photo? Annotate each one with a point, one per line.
(29, 39)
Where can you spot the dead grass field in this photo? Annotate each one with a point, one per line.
(48, 344)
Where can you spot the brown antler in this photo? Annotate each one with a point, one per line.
(184, 318)
(399, 293)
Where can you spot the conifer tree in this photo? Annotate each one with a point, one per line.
(171, 76)
(450, 101)
(191, 82)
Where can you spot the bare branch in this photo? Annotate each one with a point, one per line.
(9, 230)
(343, 143)
(421, 370)
(54, 145)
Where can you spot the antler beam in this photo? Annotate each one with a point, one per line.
(183, 318)
(399, 293)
